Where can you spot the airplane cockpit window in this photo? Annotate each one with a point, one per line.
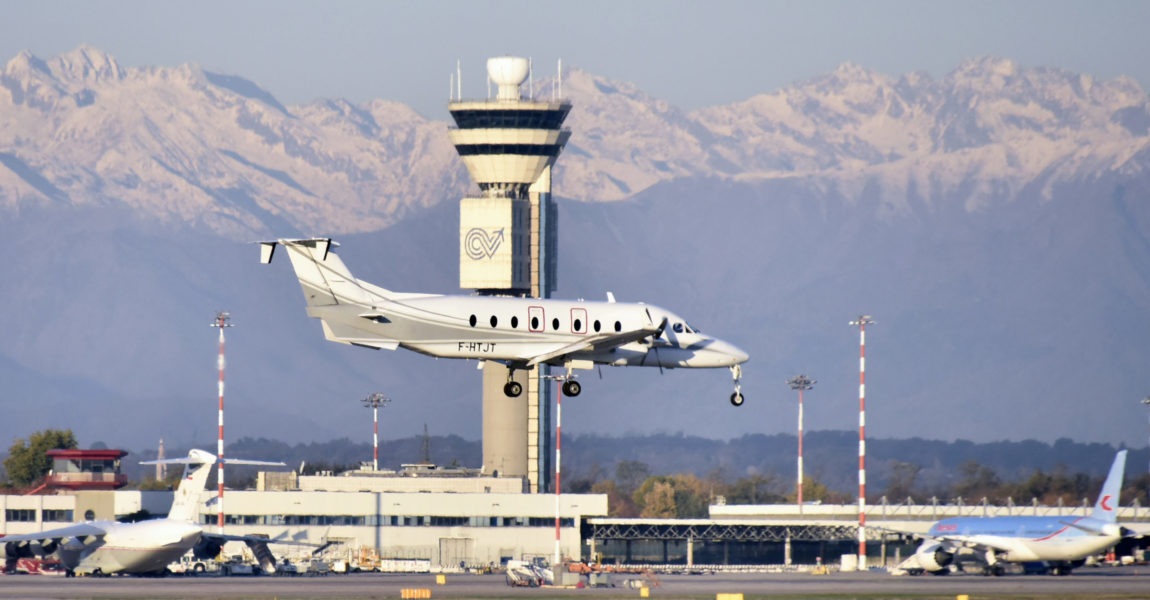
(677, 328)
(692, 329)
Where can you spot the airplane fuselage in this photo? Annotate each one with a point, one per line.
(142, 547)
(1027, 539)
(514, 330)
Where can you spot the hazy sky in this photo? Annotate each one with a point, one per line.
(691, 54)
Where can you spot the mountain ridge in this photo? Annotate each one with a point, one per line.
(189, 145)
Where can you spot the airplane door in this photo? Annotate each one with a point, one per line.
(578, 320)
(535, 320)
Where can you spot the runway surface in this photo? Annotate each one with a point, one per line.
(1110, 583)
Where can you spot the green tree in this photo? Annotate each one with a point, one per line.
(755, 488)
(630, 474)
(902, 480)
(657, 500)
(978, 481)
(26, 460)
(680, 496)
(619, 503)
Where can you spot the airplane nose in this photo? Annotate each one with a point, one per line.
(737, 355)
(726, 354)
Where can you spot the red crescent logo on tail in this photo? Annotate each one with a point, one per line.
(1105, 503)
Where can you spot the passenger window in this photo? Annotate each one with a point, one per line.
(618, 327)
(596, 325)
(535, 322)
(472, 320)
(555, 324)
(514, 322)
(494, 320)
(578, 325)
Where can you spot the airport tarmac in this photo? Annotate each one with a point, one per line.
(1106, 582)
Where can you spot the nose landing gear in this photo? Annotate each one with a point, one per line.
(737, 396)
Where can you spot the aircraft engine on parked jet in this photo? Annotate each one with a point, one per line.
(934, 557)
(207, 548)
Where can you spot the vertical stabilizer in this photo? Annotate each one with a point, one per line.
(1106, 509)
(324, 278)
(186, 503)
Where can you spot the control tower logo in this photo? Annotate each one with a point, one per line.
(481, 243)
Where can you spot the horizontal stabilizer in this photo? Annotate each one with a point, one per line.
(200, 457)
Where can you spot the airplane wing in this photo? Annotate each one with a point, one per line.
(977, 542)
(598, 343)
(252, 539)
(80, 531)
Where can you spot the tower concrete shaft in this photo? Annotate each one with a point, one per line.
(508, 241)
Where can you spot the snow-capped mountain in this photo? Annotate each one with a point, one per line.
(185, 145)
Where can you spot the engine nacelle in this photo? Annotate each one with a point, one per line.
(207, 548)
(14, 550)
(934, 557)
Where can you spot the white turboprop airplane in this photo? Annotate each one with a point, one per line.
(106, 547)
(1062, 543)
(517, 332)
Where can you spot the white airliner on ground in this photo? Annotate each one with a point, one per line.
(517, 332)
(106, 547)
(1062, 543)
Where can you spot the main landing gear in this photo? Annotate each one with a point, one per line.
(571, 388)
(737, 396)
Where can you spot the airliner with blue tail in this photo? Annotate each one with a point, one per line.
(1061, 543)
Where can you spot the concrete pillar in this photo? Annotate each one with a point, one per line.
(504, 423)
(690, 552)
(787, 549)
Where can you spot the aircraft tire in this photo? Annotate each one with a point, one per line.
(512, 389)
(571, 388)
(736, 399)
(199, 568)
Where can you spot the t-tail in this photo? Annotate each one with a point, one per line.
(186, 503)
(333, 295)
(325, 280)
(198, 465)
(1106, 509)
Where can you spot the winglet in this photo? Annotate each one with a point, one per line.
(1106, 509)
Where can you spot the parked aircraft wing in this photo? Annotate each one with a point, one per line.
(598, 343)
(81, 531)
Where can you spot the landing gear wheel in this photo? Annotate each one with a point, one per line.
(571, 388)
(737, 399)
(513, 389)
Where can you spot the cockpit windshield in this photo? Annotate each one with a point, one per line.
(681, 327)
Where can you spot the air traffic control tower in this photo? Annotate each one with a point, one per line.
(508, 245)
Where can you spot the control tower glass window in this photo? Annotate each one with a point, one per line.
(509, 119)
(518, 149)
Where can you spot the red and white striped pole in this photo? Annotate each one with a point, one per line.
(558, 463)
(221, 322)
(861, 323)
(800, 383)
(374, 401)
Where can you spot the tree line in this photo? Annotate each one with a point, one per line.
(679, 476)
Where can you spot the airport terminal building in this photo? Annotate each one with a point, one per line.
(475, 521)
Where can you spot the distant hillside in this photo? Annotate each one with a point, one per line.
(829, 456)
